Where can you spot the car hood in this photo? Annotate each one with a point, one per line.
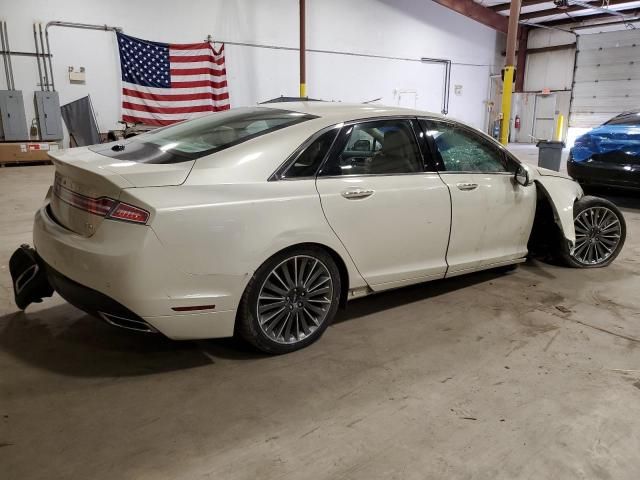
(545, 172)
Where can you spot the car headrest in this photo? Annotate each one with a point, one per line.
(395, 143)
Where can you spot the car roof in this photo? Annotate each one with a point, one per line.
(338, 111)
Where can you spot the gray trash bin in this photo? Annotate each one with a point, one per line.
(550, 154)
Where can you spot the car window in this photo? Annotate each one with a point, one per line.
(464, 151)
(381, 147)
(308, 161)
(202, 136)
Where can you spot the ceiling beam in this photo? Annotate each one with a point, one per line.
(501, 7)
(632, 12)
(477, 12)
(572, 8)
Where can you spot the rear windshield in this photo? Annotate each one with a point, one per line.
(202, 136)
(632, 119)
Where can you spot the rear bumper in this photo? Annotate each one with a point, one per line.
(123, 270)
(96, 303)
(608, 175)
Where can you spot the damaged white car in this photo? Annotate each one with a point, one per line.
(263, 221)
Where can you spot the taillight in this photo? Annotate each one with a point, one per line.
(103, 206)
(129, 213)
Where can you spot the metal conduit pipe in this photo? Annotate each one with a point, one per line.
(447, 80)
(35, 39)
(4, 54)
(11, 85)
(59, 23)
(44, 61)
(46, 74)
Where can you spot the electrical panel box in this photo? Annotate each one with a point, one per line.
(48, 113)
(13, 125)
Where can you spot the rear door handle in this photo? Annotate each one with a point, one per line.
(467, 186)
(355, 193)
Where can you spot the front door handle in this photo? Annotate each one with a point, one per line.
(467, 186)
(355, 193)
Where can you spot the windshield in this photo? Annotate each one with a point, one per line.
(196, 138)
(632, 119)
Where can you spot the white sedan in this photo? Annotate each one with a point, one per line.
(263, 221)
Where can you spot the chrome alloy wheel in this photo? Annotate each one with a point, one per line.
(295, 299)
(598, 233)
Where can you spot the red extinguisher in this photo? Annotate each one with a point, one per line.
(517, 122)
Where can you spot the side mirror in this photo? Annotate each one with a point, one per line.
(522, 176)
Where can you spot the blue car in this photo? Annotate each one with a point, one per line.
(609, 155)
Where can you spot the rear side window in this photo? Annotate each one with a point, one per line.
(202, 136)
(309, 160)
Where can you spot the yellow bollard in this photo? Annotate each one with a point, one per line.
(507, 89)
(559, 126)
(303, 90)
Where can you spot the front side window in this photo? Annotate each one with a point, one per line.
(464, 151)
(382, 147)
(202, 136)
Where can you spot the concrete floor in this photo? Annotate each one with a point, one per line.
(533, 374)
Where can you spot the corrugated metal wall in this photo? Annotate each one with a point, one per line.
(607, 77)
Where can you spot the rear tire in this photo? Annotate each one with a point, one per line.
(290, 300)
(600, 233)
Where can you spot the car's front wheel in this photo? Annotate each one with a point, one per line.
(290, 300)
(600, 233)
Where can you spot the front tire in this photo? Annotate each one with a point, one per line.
(290, 300)
(600, 233)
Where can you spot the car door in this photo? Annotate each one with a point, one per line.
(389, 209)
(492, 215)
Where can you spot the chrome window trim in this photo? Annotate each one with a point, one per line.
(355, 175)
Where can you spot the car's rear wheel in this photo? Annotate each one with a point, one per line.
(600, 233)
(290, 300)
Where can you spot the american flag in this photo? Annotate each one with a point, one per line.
(165, 83)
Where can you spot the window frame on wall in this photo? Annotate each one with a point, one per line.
(509, 162)
(424, 154)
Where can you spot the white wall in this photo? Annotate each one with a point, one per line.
(403, 28)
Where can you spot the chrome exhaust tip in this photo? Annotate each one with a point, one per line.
(127, 323)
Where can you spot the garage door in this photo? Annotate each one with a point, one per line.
(607, 77)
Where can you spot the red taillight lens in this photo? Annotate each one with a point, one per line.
(103, 206)
(129, 213)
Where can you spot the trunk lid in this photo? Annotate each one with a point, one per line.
(79, 171)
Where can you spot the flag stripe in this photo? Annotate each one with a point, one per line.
(198, 71)
(151, 109)
(199, 83)
(196, 58)
(174, 97)
(190, 46)
(167, 103)
(190, 53)
(165, 91)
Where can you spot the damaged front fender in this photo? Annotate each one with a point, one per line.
(562, 193)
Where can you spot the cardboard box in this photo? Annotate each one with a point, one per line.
(16, 152)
